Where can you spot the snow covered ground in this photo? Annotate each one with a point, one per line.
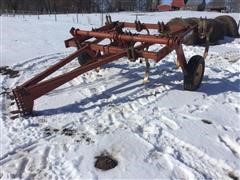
(156, 130)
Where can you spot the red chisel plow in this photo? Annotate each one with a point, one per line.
(91, 55)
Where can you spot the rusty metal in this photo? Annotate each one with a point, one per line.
(123, 44)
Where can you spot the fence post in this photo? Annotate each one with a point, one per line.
(23, 14)
(77, 17)
(102, 12)
(55, 16)
(102, 19)
(38, 15)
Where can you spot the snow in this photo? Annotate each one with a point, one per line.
(156, 130)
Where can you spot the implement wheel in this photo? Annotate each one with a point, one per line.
(195, 69)
(83, 58)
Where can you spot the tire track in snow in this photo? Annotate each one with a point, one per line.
(200, 162)
(35, 163)
(30, 66)
(187, 154)
(21, 167)
(196, 159)
(74, 86)
(134, 105)
(37, 65)
(181, 150)
(231, 145)
(30, 161)
(23, 150)
(62, 166)
(205, 165)
(27, 68)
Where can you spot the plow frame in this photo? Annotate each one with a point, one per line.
(122, 44)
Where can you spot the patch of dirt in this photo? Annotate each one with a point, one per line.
(84, 138)
(68, 132)
(105, 162)
(5, 70)
(206, 121)
(48, 131)
(79, 137)
(233, 176)
(14, 117)
(5, 91)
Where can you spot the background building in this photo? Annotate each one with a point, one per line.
(63, 6)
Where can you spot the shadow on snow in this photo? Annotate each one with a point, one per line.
(165, 74)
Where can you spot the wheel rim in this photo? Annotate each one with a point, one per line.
(198, 75)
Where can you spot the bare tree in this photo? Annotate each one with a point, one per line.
(13, 4)
(234, 5)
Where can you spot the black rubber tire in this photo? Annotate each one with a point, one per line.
(195, 69)
(83, 58)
